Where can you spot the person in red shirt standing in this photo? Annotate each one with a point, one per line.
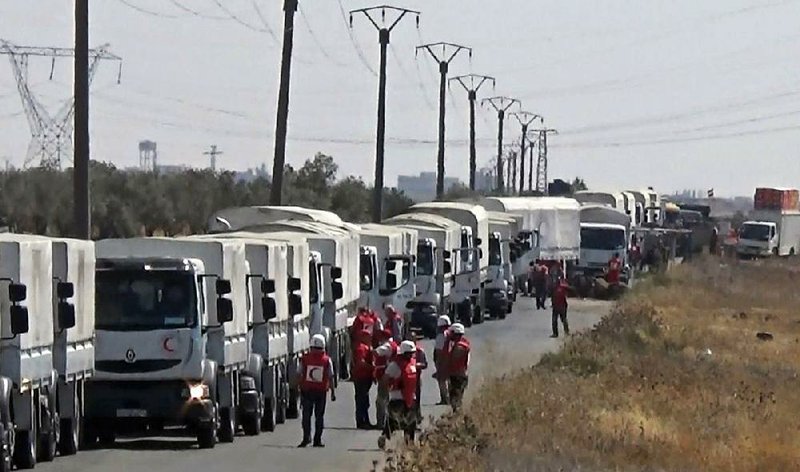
(422, 364)
(368, 320)
(442, 333)
(316, 372)
(384, 354)
(457, 357)
(363, 372)
(560, 306)
(401, 380)
(614, 270)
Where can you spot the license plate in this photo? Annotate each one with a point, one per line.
(131, 413)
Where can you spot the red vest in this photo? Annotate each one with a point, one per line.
(458, 357)
(407, 382)
(314, 371)
(614, 267)
(560, 296)
(362, 362)
(365, 321)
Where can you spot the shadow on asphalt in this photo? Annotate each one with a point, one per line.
(152, 445)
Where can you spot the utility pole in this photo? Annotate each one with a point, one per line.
(80, 174)
(213, 153)
(541, 165)
(282, 121)
(524, 118)
(384, 31)
(469, 83)
(501, 105)
(448, 52)
(532, 143)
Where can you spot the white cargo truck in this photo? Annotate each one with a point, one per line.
(271, 327)
(472, 264)
(438, 238)
(612, 199)
(769, 233)
(604, 233)
(500, 289)
(172, 338)
(28, 382)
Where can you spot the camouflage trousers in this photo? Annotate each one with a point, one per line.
(458, 384)
(400, 418)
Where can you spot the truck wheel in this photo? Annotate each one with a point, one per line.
(207, 436)
(25, 449)
(501, 313)
(5, 450)
(251, 424)
(292, 412)
(280, 404)
(477, 314)
(70, 431)
(48, 442)
(227, 427)
(106, 437)
(268, 420)
(510, 309)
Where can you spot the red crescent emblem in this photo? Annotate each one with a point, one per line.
(168, 345)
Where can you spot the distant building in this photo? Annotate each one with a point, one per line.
(252, 174)
(422, 187)
(484, 181)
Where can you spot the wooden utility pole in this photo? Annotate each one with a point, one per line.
(472, 84)
(384, 31)
(501, 105)
(282, 121)
(448, 52)
(525, 119)
(80, 177)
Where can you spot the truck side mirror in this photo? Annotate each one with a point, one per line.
(295, 304)
(293, 284)
(267, 286)
(478, 242)
(223, 287)
(446, 254)
(336, 273)
(337, 290)
(391, 281)
(19, 319)
(268, 308)
(65, 290)
(224, 310)
(17, 293)
(66, 315)
(448, 267)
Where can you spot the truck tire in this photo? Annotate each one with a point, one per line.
(478, 315)
(281, 403)
(251, 424)
(48, 440)
(70, 431)
(207, 436)
(25, 449)
(268, 420)
(227, 427)
(292, 411)
(5, 450)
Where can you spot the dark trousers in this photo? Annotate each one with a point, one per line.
(418, 404)
(362, 388)
(458, 384)
(313, 403)
(541, 296)
(560, 312)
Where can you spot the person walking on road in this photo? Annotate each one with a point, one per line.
(363, 378)
(384, 354)
(540, 284)
(614, 270)
(422, 364)
(560, 306)
(394, 322)
(316, 374)
(458, 353)
(439, 358)
(401, 380)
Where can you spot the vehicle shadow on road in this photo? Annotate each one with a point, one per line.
(151, 445)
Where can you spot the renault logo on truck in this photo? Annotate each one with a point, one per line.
(130, 356)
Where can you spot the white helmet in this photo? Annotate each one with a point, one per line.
(408, 347)
(458, 328)
(318, 341)
(444, 320)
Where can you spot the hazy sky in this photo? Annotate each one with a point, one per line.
(675, 94)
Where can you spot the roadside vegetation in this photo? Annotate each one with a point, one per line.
(695, 370)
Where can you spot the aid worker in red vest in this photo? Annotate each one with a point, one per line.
(383, 355)
(442, 331)
(458, 350)
(368, 320)
(560, 306)
(316, 374)
(401, 380)
(363, 377)
(614, 270)
(422, 364)
(394, 322)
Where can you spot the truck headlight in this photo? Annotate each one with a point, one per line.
(196, 391)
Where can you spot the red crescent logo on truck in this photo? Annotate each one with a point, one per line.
(168, 345)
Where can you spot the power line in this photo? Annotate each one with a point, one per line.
(314, 38)
(354, 42)
(410, 78)
(146, 11)
(267, 28)
(236, 18)
(195, 12)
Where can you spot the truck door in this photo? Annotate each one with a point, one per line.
(397, 284)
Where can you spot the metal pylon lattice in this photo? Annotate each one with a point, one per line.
(541, 163)
(51, 135)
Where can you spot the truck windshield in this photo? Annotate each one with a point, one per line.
(754, 232)
(424, 259)
(365, 268)
(495, 256)
(604, 239)
(140, 299)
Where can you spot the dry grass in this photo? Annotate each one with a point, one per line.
(674, 379)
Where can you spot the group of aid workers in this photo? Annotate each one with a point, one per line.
(381, 358)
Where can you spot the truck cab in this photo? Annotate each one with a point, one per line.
(496, 289)
(758, 239)
(599, 243)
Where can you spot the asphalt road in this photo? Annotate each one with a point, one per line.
(498, 347)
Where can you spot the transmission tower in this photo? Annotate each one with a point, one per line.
(541, 164)
(472, 84)
(212, 154)
(148, 156)
(525, 119)
(51, 135)
(500, 105)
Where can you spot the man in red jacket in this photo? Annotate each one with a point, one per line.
(363, 372)
(366, 319)
(614, 270)
(401, 381)
(560, 306)
(316, 373)
(457, 358)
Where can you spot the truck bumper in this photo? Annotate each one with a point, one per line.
(126, 402)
